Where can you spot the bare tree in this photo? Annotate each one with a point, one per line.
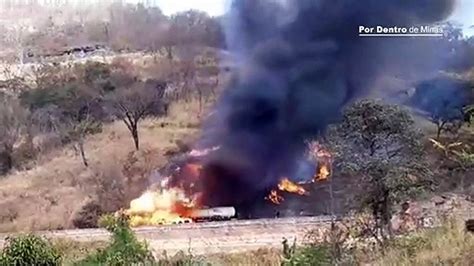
(443, 99)
(13, 120)
(11, 81)
(190, 29)
(168, 41)
(77, 132)
(70, 105)
(133, 103)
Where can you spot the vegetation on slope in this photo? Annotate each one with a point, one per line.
(449, 244)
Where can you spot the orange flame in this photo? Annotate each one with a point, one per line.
(275, 197)
(323, 173)
(167, 202)
(324, 159)
(288, 186)
(168, 206)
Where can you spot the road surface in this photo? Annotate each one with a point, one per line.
(212, 237)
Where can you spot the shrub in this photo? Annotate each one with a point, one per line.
(88, 215)
(74, 250)
(125, 248)
(29, 250)
(182, 259)
(307, 255)
(458, 152)
(449, 244)
(381, 145)
(469, 114)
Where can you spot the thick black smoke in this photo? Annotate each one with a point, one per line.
(443, 98)
(299, 63)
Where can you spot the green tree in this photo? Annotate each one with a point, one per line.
(380, 144)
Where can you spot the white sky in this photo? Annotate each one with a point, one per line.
(212, 7)
(464, 12)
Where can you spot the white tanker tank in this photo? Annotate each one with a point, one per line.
(214, 214)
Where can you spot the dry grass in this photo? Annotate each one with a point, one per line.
(73, 251)
(46, 196)
(270, 257)
(449, 245)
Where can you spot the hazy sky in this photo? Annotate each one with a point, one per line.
(213, 7)
(464, 12)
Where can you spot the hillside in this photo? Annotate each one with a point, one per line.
(46, 196)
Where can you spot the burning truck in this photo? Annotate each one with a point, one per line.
(298, 64)
(177, 198)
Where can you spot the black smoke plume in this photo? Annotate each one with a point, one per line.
(299, 63)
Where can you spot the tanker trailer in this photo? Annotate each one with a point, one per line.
(213, 214)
